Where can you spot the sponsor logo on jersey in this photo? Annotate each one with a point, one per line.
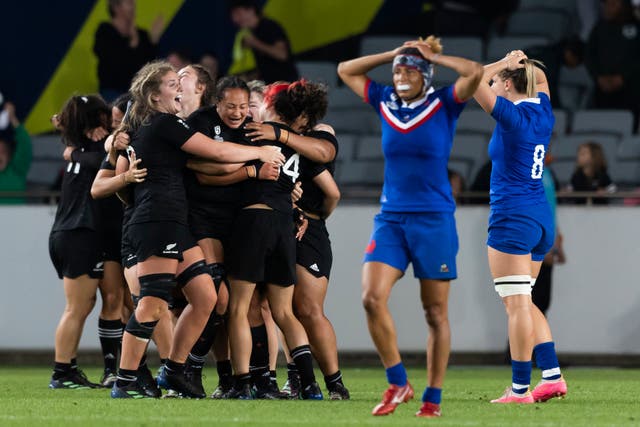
(217, 130)
(370, 247)
(183, 123)
(444, 268)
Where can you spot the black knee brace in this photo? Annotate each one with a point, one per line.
(195, 269)
(157, 285)
(219, 275)
(141, 330)
(136, 300)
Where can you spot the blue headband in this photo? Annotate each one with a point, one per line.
(420, 64)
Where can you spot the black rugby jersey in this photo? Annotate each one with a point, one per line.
(312, 196)
(207, 121)
(77, 209)
(161, 196)
(275, 194)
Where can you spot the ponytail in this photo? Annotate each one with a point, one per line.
(524, 79)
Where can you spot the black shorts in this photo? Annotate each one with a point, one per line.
(263, 248)
(112, 243)
(313, 252)
(77, 252)
(214, 222)
(163, 239)
(129, 258)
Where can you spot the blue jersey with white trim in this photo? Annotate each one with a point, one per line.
(517, 149)
(416, 142)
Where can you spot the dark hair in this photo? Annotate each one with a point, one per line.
(524, 79)
(181, 52)
(247, 4)
(230, 82)
(598, 158)
(299, 98)
(80, 114)
(121, 102)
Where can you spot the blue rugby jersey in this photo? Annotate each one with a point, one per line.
(416, 142)
(517, 148)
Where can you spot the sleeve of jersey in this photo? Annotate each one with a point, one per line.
(198, 122)
(106, 165)
(453, 104)
(506, 113)
(373, 93)
(321, 134)
(311, 169)
(174, 130)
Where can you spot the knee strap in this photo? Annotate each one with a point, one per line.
(507, 286)
(157, 285)
(195, 269)
(140, 330)
(219, 275)
(136, 300)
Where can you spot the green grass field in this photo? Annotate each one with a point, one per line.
(597, 397)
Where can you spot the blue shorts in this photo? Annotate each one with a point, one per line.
(427, 240)
(526, 230)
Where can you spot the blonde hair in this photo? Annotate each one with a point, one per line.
(524, 79)
(434, 43)
(144, 85)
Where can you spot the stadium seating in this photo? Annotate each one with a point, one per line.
(369, 148)
(540, 23)
(560, 126)
(347, 147)
(377, 44)
(498, 47)
(470, 150)
(320, 71)
(575, 88)
(466, 47)
(475, 122)
(627, 168)
(362, 121)
(47, 161)
(343, 98)
(566, 6)
(360, 172)
(609, 122)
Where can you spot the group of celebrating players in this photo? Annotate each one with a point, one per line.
(212, 202)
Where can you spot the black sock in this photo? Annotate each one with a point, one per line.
(241, 380)
(224, 370)
(143, 361)
(259, 362)
(331, 380)
(207, 337)
(273, 377)
(61, 369)
(74, 364)
(174, 368)
(126, 377)
(110, 334)
(163, 362)
(302, 357)
(292, 371)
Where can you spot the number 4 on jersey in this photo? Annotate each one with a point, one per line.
(290, 168)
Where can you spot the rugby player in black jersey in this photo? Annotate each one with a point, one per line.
(75, 240)
(167, 254)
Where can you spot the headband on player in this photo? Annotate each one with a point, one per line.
(420, 64)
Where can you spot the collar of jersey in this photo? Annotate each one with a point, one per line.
(420, 101)
(532, 100)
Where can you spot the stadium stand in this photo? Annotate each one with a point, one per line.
(47, 161)
(499, 46)
(614, 122)
(539, 23)
(322, 71)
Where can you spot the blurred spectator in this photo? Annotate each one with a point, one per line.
(209, 60)
(458, 185)
(613, 57)
(266, 39)
(591, 173)
(122, 48)
(473, 18)
(179, 58)
(568, 53)
(15, 155)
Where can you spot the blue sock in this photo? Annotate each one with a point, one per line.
(547, 360)
(520, 376)
(433, 395)
(397, 375)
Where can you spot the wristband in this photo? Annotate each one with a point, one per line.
(287, 141)
(277, 132)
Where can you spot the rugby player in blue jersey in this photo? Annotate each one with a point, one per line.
(521, 228)
(416, 223)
